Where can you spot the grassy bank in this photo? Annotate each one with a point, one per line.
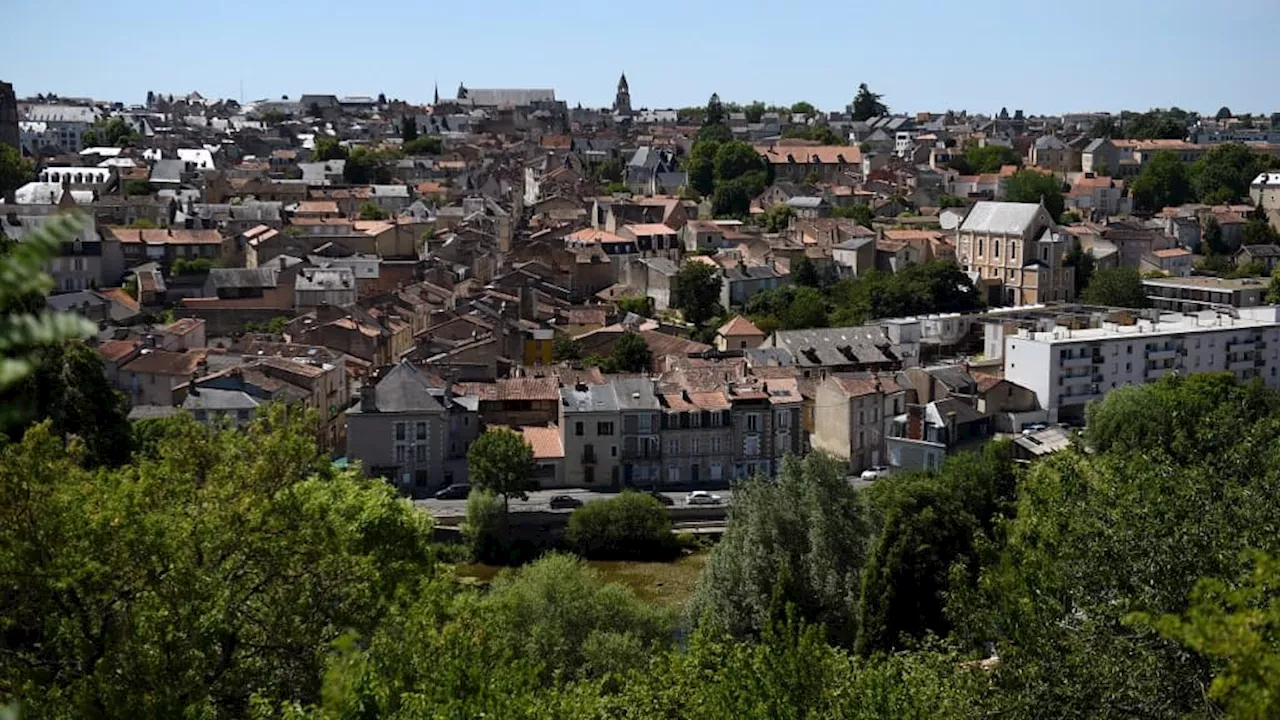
(669, 583)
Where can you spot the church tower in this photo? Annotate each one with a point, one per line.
(622, 103)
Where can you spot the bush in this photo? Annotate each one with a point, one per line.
(137, 187)
(485, 528)
(632, 526)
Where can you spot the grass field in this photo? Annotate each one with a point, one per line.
(669, 583)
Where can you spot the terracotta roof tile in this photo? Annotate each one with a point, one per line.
(545, 442)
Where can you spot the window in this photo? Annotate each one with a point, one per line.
(995, 249)
(784, 419)
(695, 420)
(420, 432)
(717, 472)
(673, 446)
(420, 453)
(400, 453)
(578, 429)
(861, 435)
(400, 431)
(604, 428)
(862, 418)
(613, 451)
(753, 422)
(693, 446)
(1044, 254)
(673, 475)
(751, 446)
(1013, 250)
(715, 444)
(979, 247)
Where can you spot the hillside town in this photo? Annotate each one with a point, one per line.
(651, 298)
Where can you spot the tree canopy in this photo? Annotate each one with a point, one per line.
(631, 353)
(501, 462)
(697, 292)
(1115, 287)
(979, 160)
(867, 104)
(15, 171)
(1033, 186)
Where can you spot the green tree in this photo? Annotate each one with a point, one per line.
(501, 462)
(631, 353)
(409, 128)
(1223, 173)
(1033, 186)
(1273, 290)
(754, 112)
(184, 584)
(137, 187)
(638, 304)
(799, 541)
(978, 160)
(701, 166)
(1162, 182)
(610, 171)
(1211, 236)
(803, 108)
(1083, 262)
(777, 218)
(715, 111)
(951, 201)
(1115, 287)
(631, 526)
(423, 145)
(370, 211)
(804, 272)
(26, 327)
(328, 148)
(862, 214)
(1260, 232)
(1236, 624)
(69, 387)
(732, 198)
(697, 292)
(1105, 127)
(927, 523)
(1070, 217)
(867, 104)
(1224, 113)
(807, 309)
(919, 289)
(14, 170)
(737, 159)
(565, 348)
(486, 528)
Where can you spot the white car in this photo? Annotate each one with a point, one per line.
(875, 473)
(702, 497)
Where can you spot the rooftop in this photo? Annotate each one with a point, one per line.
(1169, 324)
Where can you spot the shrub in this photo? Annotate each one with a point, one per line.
(485, 528)
(632, 526)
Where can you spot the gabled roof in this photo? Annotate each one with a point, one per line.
(739, 325)
(405, 388)
(1008, 218)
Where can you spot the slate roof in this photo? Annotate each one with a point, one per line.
(835, 346)
(405, 388)
(260, 277)
(220, 400)
(167, 171)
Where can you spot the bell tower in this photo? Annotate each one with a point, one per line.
(622, 102)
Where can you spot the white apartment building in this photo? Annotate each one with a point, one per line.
(1068, 368)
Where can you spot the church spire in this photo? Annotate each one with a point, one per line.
(622, 101)
(436, 101)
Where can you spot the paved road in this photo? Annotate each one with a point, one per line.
(539, 501)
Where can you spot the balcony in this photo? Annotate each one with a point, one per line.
(1162, 354)
(589, 457)
(1157, 373)
(1240, 346)
(1076, 362)
(1073, 380)
(1240, 365)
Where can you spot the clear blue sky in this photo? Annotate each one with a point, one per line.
(1032, 54)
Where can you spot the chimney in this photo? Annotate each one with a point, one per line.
(915, 422)
(194, 389)
(369, 398)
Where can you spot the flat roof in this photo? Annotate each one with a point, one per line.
(1205, 282)
(1170, 324)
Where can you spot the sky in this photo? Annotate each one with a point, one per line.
(1035, 55)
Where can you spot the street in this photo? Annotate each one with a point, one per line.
(539, 501)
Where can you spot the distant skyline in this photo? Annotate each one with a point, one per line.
(1032, 55)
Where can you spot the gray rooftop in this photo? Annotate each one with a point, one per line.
(260, 277)
(330, 278)
(219, 400)
(167, 171)
(635, 394)
(835, 346)
(1006, 218)
(404, 389)
(589, 398)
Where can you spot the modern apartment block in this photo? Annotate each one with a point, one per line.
(1066, 368)
(1192, 294)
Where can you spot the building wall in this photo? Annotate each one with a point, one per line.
(602, 432)
(412, 462)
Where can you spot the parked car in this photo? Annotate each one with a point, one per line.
(702, 497)
(662, 498)
(459, 491)
(564, 502)
(875, 473)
